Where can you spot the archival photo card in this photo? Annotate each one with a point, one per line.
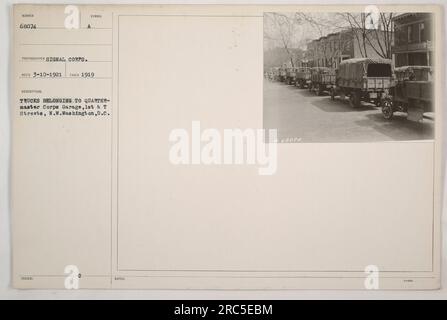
(226, 147)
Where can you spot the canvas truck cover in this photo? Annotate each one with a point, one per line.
(322, 70)
(416, 73)
(354, 69)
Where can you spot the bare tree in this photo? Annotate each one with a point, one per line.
(284, 30)
(325, 24)
(386, 27)
(290, 31)
(379, 38)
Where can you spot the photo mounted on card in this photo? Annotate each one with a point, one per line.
(226, 147)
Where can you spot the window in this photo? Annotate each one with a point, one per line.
(415, 33)
(422, 37)
(417, 59)
(401, 36)
(401, 60)
(409, 33)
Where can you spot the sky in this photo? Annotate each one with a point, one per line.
(300, 29)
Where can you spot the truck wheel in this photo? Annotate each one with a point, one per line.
(319, 90)
(387, 109)
(354, 99)
(332, 94)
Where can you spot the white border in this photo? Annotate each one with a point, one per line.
(6, 292)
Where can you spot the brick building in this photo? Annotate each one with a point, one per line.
(413, 39)
(330, 50)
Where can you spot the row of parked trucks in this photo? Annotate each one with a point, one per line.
(404, 89)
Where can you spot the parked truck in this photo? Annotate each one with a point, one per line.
(364, 79)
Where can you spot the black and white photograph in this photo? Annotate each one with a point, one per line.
(349, 77)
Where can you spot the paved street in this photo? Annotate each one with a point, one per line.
(300, 115)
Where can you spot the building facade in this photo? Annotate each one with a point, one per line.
(413, 39)
(330, 50)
